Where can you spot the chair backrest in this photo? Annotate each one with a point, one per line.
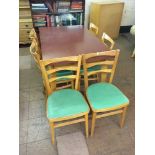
(34, 50)
(49, 73)
(105, 38)
(93, 28)
(33, 34)
(106, 60)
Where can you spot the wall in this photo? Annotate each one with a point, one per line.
(128, 17)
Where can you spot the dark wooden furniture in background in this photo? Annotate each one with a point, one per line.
(68, 41)
(46, 22)
(60, 12)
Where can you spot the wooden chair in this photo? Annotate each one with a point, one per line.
(33, 36)
(105, 99)
(91, 78)
(34, 50)
(65, 106)
(93, 28)
(108, 41)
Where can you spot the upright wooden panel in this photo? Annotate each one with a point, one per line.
(25, 21)
(94, 13)
(24, 3)
(107, 16)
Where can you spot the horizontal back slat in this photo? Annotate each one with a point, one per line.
(56, 60)
(100, 71)
(105, 53)
(71, 68)
(100, 63)
(52, 79)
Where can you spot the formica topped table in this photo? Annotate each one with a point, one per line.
(66, 41)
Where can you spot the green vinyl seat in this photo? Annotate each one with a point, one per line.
(66, 102)
(105, 95)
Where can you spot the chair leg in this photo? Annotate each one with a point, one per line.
(52, 132)
(93, 123)
(123, 117)
(86, 124)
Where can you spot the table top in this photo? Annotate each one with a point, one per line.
(68, 41)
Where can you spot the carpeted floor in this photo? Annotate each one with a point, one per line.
(109, 138)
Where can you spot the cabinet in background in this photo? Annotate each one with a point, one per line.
(107, 16)
(25, 21)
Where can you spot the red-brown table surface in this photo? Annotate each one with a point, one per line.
(66, 41)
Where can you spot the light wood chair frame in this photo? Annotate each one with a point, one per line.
(34, 50)
(63, 121)
(109, 39)
(105, 111)
(33, 36)
(93, 28)
(94, 78)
